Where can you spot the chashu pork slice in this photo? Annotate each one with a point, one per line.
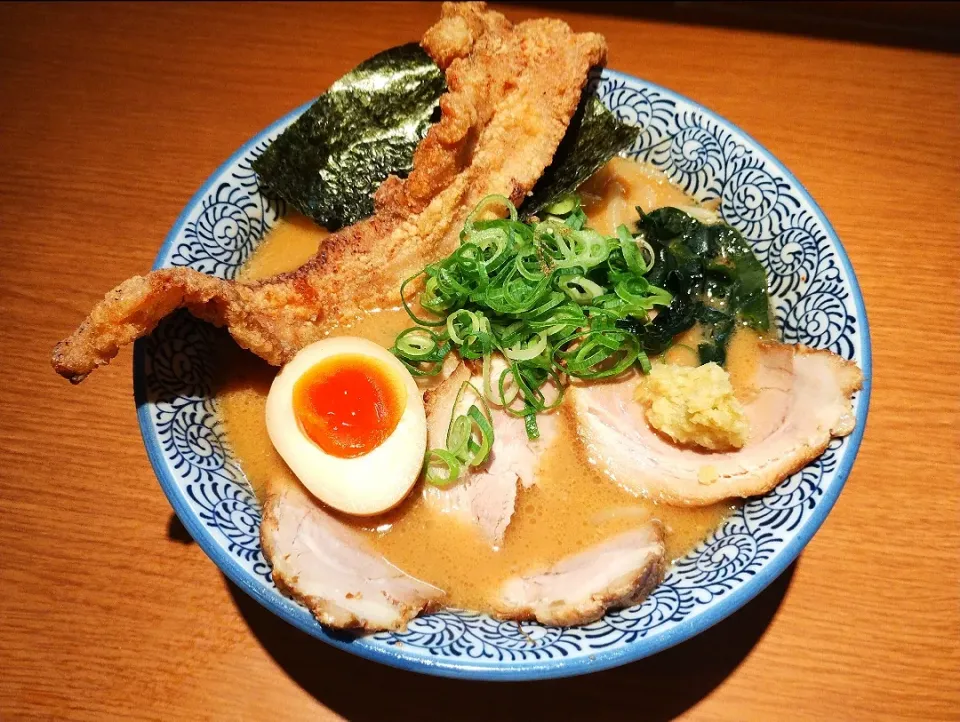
(485, 495)
(328, 567)
(617, 573)
(801, 400)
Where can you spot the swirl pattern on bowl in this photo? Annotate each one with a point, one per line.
(816, 302)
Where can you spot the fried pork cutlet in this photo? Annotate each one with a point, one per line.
(512, 90)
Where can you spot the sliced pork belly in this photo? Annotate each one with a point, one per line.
(620, 572)
(327, 566)
(801, 400)
(487, 494)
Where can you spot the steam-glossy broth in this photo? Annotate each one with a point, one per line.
(571, 506)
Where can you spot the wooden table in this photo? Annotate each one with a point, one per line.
(112, 115)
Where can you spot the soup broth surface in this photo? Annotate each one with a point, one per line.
(572, 505)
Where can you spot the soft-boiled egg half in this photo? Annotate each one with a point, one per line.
(348, 419)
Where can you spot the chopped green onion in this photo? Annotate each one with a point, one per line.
(524, 352)
(552, 297)
(530, 425)
(406, 305)
(563, 205)
(449, 470)
(581, 289)
(644, 362)
(469, 440)
(481, 449)
(600, 354)
(470, 324)
(417, 343)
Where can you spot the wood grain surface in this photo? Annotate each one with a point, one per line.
(112, 115)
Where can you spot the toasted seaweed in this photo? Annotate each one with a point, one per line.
(595, 135)
(329, 162)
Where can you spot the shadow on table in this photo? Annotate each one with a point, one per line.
(177, 532)
(663, 686)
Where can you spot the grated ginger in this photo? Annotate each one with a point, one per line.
(694, 405)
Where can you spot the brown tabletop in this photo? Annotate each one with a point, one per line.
(112, 115)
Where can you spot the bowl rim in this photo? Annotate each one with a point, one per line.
(289, 611)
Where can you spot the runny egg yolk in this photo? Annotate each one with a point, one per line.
(348, 404)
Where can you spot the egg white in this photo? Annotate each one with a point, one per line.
(364, 485)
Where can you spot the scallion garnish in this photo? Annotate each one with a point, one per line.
(469, 440)
(548, 295)
(552, 299)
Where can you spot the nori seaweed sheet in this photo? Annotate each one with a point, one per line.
(595, 136)
(329, 162)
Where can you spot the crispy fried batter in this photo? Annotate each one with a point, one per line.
(511, 93)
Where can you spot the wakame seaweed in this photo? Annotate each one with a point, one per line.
(329, 162)
(595, 136)
(714, 278)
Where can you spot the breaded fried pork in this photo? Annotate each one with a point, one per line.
(512, 90)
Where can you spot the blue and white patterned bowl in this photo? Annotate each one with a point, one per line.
(817, 303)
